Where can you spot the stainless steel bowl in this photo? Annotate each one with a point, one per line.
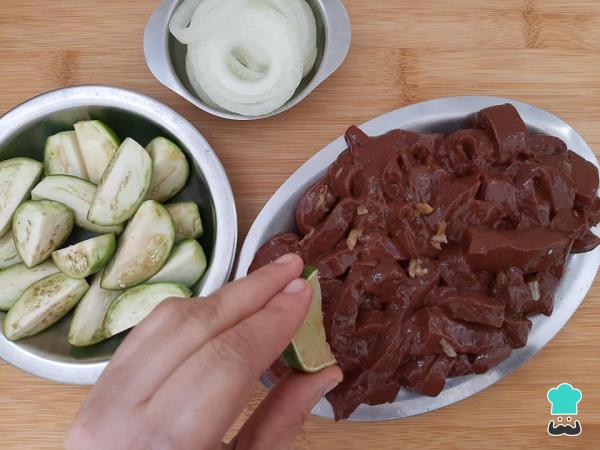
(23, 132)
(443, 115)
(165, 55)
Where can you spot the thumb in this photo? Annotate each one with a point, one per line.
(279, 418)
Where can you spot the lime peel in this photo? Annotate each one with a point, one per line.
(309, 351)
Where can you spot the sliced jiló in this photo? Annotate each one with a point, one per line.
(87, 324)
(42, 305)
(131, 307)
(39, 228)
(170, 169)
(63, 157)
(17, 178)
(142, 249)
(75, 193)
(185, 265)
(98, 143)
(87, 257)
(15, 279)
(188, 223)
(123, 185)
(8, 252)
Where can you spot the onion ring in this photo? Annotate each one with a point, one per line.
(246, 56)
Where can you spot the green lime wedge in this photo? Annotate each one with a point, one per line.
(309, 350)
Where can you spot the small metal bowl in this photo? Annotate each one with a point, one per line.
(165, 55)
(23, 132)
(441, 116)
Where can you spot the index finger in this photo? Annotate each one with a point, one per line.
(179, 328)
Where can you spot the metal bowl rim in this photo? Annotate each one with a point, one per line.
(338, 33)
(197, 147)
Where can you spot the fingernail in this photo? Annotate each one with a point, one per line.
(294, 287)
(285, 259)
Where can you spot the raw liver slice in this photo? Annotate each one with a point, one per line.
(434, 250)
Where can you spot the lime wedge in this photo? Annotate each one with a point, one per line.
(309, 350)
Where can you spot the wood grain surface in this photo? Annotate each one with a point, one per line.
(545, 52)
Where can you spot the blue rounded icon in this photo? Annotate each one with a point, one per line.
(564, 399)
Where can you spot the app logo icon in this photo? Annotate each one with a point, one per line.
(564, 399)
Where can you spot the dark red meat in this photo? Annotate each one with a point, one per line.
(433, 250)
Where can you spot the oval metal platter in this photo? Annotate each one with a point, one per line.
(442, 115)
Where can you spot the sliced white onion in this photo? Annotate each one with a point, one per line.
(252, 58)
(301, 17)
(189, 23)
(193, 19)
(195, 85)
(254, 26)
(246, 56)
(179, 25)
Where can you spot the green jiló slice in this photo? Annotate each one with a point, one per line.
(15, 279)
(123, 185)
(185, 265)
(42, 305)
(39, 228)
(143, 248)
(188, 223)
(309, 351)
(98, 143)
(17, 177)
(170, 169)
(63, 157)
(8, 252)
(75, 193)
(87, 324)
(136, 303)
(87, 257)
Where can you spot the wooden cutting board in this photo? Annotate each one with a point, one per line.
(545, 52)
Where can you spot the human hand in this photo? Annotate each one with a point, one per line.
(184, 374)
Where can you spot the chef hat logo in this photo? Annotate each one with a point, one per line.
(564, 399)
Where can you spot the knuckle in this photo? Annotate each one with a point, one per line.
(236, 348)
(168, 310)
(200, 311)
(208, 310)
(269, 273)
(81, 435)
(174, 310)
